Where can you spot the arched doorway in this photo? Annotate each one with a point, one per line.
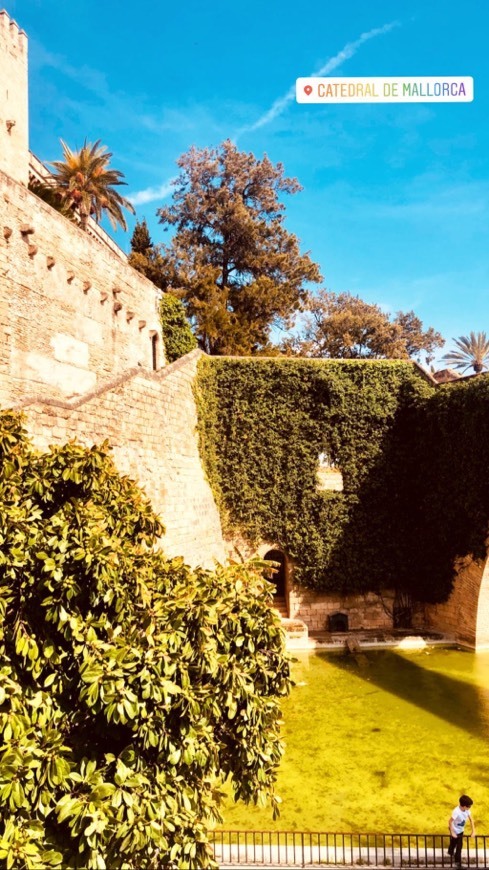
(279, 579)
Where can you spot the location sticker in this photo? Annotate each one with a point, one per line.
(390, 89)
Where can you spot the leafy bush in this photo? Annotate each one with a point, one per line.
(177, 333)
(414, 462)
(447, 484)
(130, 685)
(263, 425)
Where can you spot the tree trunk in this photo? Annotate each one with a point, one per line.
(83, 219)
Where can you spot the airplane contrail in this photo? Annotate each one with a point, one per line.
(345, 54)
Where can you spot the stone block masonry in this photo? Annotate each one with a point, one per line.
(81, 350)
(465, 616)
(150, 421)
(14, 143)
(367, 611)
(72, 312)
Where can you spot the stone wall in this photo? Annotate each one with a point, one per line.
(81, 349)
(150, 421)
(72, 312)
(465, 616)
(14, 141)
(367, 611)
(482, 622)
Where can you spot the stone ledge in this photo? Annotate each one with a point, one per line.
(112, 384)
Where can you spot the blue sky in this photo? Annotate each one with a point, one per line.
(395, 206)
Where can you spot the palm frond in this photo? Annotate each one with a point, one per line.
(473, 352)
(85, 181)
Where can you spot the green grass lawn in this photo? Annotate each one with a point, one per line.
(381, 742)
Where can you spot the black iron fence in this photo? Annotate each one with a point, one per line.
(294, 849)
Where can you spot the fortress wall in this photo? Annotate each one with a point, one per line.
(14, 134)
(150, 420)
(363, 611)
(81, 350)
(72, 312)
(465, 616)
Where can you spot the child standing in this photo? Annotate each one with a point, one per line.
(456, 824)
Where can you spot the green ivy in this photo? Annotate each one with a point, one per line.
(177, 333)
(263, 424)
(130, 685)
(447, 484)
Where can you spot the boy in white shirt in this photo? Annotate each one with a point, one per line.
(456, 824)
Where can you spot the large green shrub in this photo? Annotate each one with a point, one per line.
(415, 464)
(177, 333)
(263, 424)
(447, 483)
(130, 685)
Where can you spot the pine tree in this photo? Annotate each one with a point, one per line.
(141, 240)
(231, 260)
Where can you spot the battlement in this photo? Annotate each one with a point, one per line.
(14, 111)
(81, 348)
(73, 313)
(11, 34)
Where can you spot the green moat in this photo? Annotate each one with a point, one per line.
(384, 741)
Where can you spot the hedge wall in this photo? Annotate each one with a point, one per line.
(263, 424)
(415, 463)
(449, 482)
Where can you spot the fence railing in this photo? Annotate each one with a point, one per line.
(305, 849)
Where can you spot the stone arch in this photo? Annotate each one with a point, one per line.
(338, 621)
(279, 578)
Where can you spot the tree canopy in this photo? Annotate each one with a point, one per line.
(146, 257)
(130, 685)
(231, 259)
(49, 193)
(86, 184)
(343, 326)
(177, 334)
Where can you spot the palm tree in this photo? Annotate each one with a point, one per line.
(46, 191)
(473, 352)
(86, 184)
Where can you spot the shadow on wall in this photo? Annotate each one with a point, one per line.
(424, 503)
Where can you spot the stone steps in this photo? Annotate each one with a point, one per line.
(280, 604)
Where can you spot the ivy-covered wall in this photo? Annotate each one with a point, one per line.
(449, 482)
(263, 424)
(414, 458)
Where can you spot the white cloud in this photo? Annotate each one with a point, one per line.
(333, 63)
(151, 193)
